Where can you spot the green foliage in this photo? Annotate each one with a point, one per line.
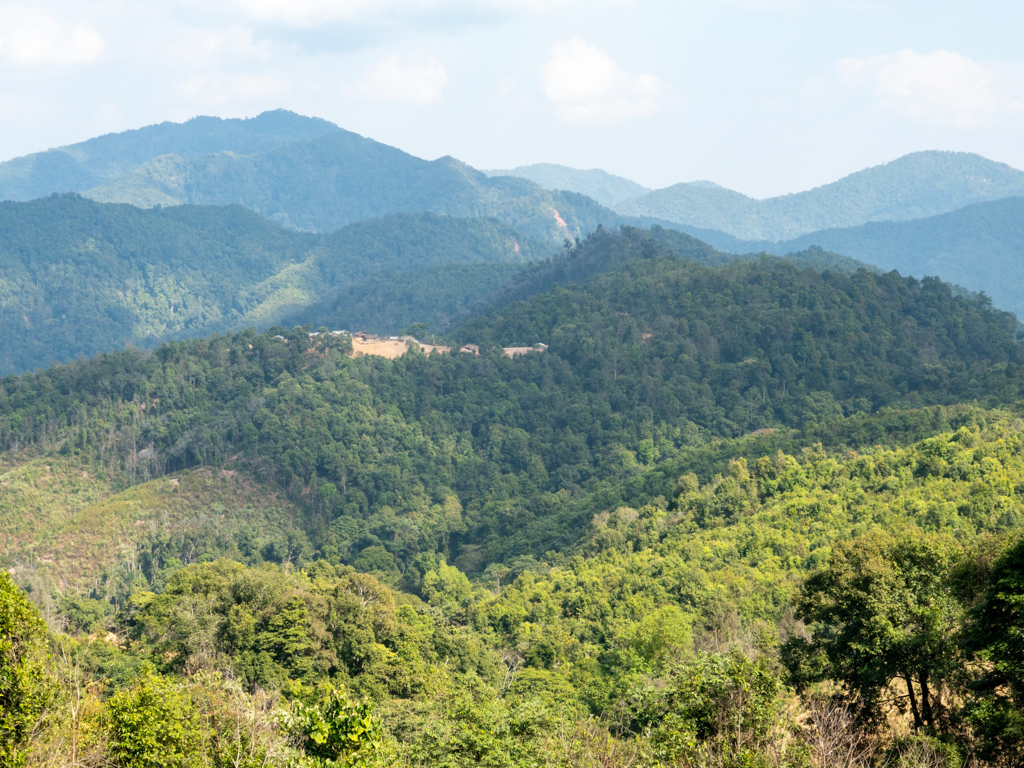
(25, 690)
(447, 588)
(722, 710)
(335, 731)
(473, 727)
(521, 561)
(882, 610)
(152, 725)
(995, 635)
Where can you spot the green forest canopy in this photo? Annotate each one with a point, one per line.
(641, 508)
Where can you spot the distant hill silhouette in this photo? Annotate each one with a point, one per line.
(980, 247)
(915, 186)
(605, 188)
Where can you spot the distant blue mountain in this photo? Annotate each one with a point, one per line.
(980, 247)
(916, 186)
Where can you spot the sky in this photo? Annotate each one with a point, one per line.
(763, 96)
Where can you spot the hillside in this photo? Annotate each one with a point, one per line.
(389, 301)
(980, 247)
(85, 522)
(500, 559)
(644, 360)
(340, 178)
(915, 186)
(88, 164)
(605, 188)
(78, 277)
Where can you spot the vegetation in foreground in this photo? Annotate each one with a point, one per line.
(768, 617)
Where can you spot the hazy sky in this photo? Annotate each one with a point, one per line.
(764, 96)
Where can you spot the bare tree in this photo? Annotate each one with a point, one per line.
(835, 740)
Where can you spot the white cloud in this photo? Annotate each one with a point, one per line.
(942, 86)
(224, 88)
(419, 80)
(310, 13)
(38, 40)
(585, 84)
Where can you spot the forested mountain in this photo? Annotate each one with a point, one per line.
(644, 361)
(980, 247)
(325, 183)
(88, 164)
(735, 511)
(78, 277)
(703, 460)
(605, 188)
(915, 186)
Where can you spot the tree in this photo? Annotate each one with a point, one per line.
(152, 724)
(335, 731)
(995, 635)
(25, 688)
(882, 611)
(720, 709)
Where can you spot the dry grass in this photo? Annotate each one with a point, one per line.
(68, 522)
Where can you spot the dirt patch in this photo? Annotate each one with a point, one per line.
(390, 348)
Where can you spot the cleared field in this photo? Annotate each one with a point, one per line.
(390, 348)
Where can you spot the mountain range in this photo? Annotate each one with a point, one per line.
(675, 505)
(303, 173)
(410, 223)
(80, 167)
(915, 186)
(79, 277)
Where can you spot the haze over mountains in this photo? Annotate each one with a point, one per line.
(980, 247)
(915, 186)
(89, 164)
(604, 187)
(432, 238)
(303, 173)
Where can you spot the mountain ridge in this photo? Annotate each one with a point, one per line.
(980, 247)
(84, 165)
(917, 185)
(606, 188)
